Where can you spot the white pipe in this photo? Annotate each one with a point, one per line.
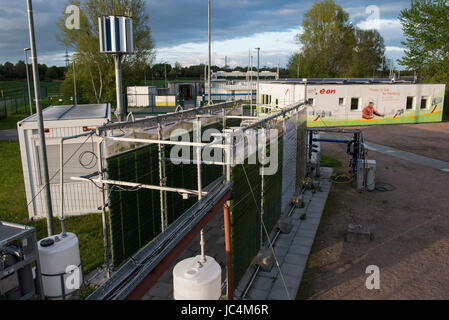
(137, 185)
(176, 143)
(61, 186)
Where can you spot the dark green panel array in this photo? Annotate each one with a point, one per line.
(245, 218)
(135, 216)
(273, 192)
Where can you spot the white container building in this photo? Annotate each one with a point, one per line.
(340, 102)
(62, 121)
(141, 96)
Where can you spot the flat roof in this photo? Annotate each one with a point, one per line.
(347, 81)
(72, 112)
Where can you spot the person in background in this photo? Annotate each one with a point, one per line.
(368, 112)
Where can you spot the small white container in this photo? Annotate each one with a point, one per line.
(56, 253)
(194, 282)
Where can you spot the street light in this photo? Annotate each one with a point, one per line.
(258, 66)
(28, 80)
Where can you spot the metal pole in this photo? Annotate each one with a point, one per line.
(210, 54)
(120, 112)
(258, 66)
(74, 83)
(200, 196)
(40, 120)
(103, 215)
(28, 81)
(165, 74)
(229, 270)
(61, 186)
(251, 85)
(161, 178)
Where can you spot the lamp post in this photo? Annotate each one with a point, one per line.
(28, 79)
(258, 66)
(210, 53)
(40, 120)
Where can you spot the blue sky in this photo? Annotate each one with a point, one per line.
(179, 28)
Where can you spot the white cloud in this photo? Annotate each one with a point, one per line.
(274, 46)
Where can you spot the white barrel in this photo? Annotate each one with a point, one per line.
(194, 282)
(60, 256)
(371, 175)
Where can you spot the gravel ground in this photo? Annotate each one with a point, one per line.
(410, 224)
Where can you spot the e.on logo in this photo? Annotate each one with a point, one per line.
(328, 91)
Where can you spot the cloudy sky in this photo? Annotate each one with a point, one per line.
(179, 28)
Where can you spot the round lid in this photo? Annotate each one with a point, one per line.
(47, 242)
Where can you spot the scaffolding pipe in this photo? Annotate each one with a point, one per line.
(229, 269)
(161, 177)
(198, 161)
(103, 211)
(61, 187)
(140, 186)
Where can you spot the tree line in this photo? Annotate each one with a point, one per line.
(157, 71)
(9, 71)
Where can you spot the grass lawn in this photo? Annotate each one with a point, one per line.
(88, 228)
(11, 121)
(18, 88)
(329, 162)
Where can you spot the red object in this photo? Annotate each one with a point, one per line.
(286, 92)
(317, 118)
(151, 279)
(230, 275)
(47, 130)
(395, 115)
(434, 109)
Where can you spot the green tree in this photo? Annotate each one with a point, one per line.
(332, 47)
(95, 71)
(369, 49)
(327, 40)
(426, 28)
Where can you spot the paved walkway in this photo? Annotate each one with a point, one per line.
(404, 155)
(9, 135)
(292, 250)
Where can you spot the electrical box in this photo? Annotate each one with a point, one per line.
(18, 257)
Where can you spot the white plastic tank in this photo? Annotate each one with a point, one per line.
(366, 177)
(192, 281)
(60, 256)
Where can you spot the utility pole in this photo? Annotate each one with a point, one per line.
(40, 120)
(165, 71)
(28, 80)
(258, 69)
(210, 53)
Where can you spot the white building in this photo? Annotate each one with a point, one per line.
(340, 102)
(80, 156)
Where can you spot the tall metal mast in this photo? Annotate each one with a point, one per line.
(40, 121)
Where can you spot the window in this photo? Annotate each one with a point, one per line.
(355, 103)
(424, 102)
(410, 103)
(311, 101)
(277, 102)
(341, 101)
